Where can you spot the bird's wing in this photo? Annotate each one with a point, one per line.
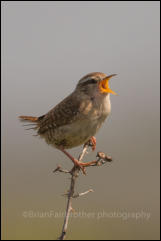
(66, 112)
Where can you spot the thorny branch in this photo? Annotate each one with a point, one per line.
(101, 159)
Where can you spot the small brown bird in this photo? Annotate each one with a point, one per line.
(76, 119)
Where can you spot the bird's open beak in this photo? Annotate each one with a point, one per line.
(104, 85)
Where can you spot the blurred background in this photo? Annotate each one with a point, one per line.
(46, 48)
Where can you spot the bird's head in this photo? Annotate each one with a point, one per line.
(95, 82)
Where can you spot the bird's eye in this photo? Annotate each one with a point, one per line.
(89, 81)
(93, 81)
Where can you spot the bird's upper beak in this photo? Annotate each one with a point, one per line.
(104, 85)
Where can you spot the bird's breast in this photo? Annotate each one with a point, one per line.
(98, 108)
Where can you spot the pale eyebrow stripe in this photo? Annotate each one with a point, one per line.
(90, 81)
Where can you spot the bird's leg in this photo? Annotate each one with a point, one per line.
(75, 161)
(92, 142)
(81, 165)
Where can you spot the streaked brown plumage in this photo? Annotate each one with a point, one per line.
(78, 117)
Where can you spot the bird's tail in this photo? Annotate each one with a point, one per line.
(32, 121)
(28, 118)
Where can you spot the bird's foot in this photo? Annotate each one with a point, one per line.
(78, 164)
(83, 165)
(92, 143)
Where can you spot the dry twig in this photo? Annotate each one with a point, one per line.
(101, 159)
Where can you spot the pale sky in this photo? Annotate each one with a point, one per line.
(46, 48)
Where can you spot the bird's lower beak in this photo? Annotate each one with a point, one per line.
(104, 85)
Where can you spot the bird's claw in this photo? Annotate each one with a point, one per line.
(92, 143)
